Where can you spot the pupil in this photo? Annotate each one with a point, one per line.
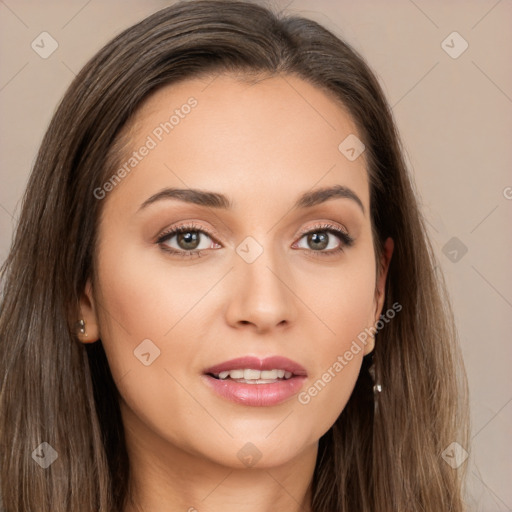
(190, 239)
(321, 240)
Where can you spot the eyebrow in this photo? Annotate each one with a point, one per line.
(220, 201)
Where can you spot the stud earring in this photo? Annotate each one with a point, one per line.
(81, 327)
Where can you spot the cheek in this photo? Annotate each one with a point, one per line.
(144, 295)
(139, 300)
(147, 308)
(343, 300)
(341, 297)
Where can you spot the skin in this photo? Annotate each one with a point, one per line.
(262, 145)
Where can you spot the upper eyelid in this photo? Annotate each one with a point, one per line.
(324, 225)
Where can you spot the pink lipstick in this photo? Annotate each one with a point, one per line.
(256, 382)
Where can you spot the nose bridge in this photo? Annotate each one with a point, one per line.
(261, 293)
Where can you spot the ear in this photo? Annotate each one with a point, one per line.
(89, 316)
(380, 287)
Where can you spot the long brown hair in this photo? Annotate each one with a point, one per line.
(55, 389)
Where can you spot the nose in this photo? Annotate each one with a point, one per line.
(261, 297)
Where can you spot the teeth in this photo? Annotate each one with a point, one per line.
(252, 374)
(255, 376)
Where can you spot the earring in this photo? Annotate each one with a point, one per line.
(377, 387)
(81, 327)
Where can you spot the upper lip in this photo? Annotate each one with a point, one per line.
(254, 363)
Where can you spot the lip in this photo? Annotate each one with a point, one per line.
(257, 395)
(254, 363)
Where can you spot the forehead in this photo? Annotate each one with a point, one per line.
(269, 134)
(228, 98)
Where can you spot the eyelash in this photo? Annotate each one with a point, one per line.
(345, 238)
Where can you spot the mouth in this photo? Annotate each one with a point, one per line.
(252, 369)
(256, 382)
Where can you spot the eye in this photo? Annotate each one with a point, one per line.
(191, 240)
(186, 240)
(325, 240)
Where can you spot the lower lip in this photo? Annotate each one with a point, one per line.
(256, 395)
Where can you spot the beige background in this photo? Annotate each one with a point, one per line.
(455, 117)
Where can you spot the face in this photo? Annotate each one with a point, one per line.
(264, 269)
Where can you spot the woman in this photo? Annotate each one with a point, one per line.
(221, 294)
